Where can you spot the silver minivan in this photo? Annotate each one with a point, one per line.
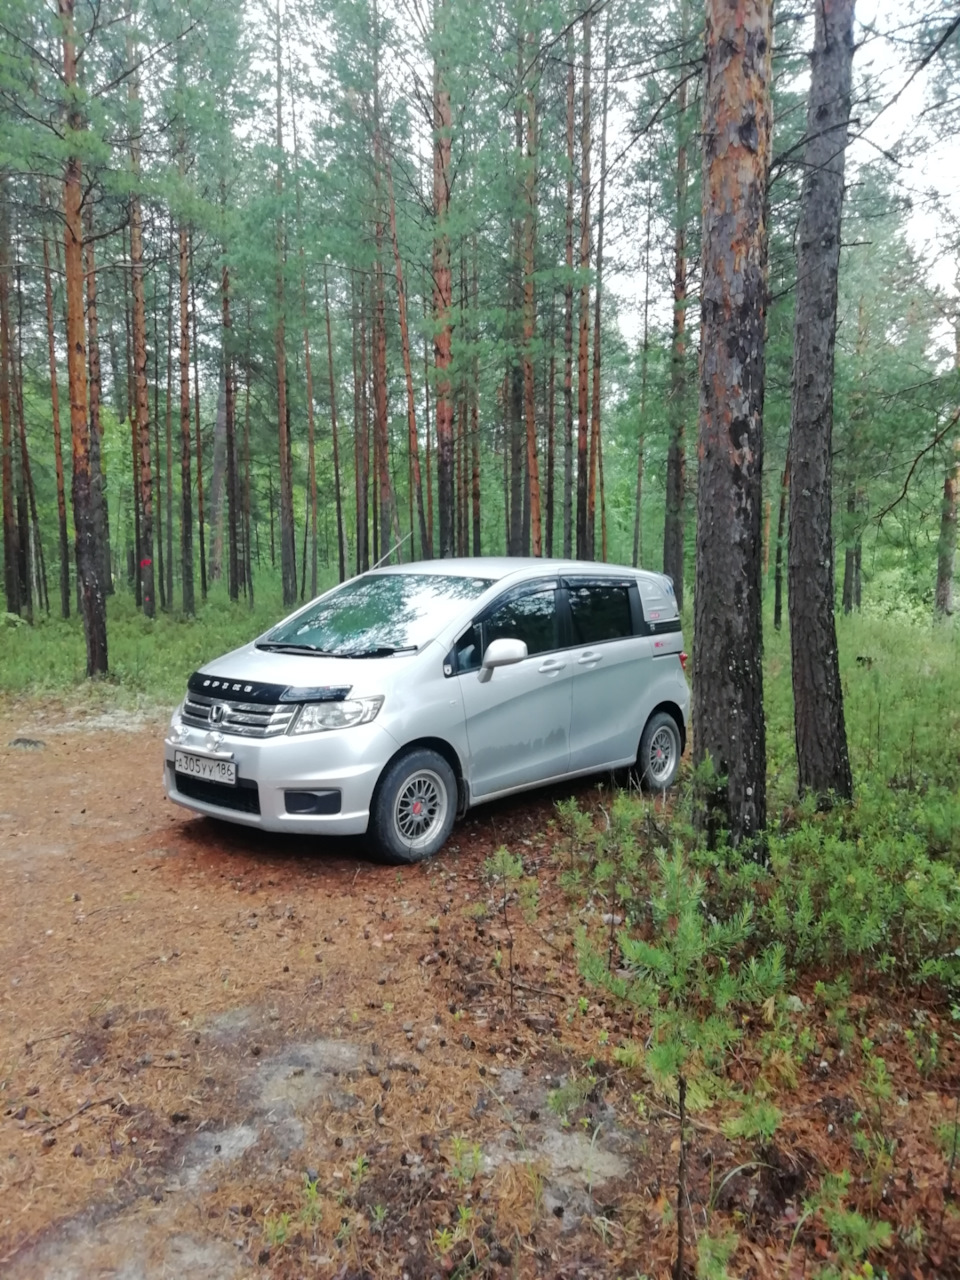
(403, 697)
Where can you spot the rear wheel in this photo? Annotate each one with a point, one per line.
(414, 808)
(658, 761)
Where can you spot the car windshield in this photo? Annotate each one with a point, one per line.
(377, 615)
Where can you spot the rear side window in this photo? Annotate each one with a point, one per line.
(600, 612)
(531, 618)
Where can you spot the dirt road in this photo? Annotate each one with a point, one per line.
(223, 1052)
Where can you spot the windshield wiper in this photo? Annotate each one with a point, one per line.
(279, 647)
(381, 651)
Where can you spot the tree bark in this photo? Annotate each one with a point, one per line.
(97, 477)
(529, 296)
(57, 442)
(196, 412)
(947, 542)
(412, 437)
(92, 601)
(11, 531)
(821, 739)
(139, 330)
(442, 293)
(583, 357)
(598, 292)
(778, 562)
(288, 569)
(186, 480)
(341, 541)
(644, 363)
(230, 420)
(728, 727)
(673, 525)
(568, 309)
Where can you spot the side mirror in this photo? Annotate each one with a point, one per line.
(501, 653)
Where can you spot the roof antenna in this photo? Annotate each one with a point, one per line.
(395, 547)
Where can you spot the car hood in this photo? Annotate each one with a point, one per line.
(252, 665)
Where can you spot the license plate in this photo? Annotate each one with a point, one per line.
(210, 770)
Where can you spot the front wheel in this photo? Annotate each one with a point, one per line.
(658, 761)
(414, 807)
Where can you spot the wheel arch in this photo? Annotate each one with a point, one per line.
(676, 714)
(443, 748)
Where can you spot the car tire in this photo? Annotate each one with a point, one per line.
(658, 761)
(414, 807)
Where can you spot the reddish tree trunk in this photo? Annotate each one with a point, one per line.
(583, 357)
(92, 601)
(139, 332)
(568, 311)
(412, 439)
(728, 726)
(57, 442)
(442, 297)
(595, 402)
(196, 413)
(341, 542)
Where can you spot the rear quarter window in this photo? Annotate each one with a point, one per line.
(600, 612)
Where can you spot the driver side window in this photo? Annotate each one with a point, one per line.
(530, 617)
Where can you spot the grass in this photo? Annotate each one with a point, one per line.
(150, 660)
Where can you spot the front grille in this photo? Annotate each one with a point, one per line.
(243, 719)
(245, 796)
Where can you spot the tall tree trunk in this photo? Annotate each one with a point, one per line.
(475, 404)
(11, 531)
(389, 515)
(230, 421)
(139, 328)
(97, 477)
(728, 727)
(583, 357)
(595, 403)
(168, 563)
(57, 443)
(673, 524)
(92, 601)
(821, 738)
(947, 542)
(247, 517)
(551, 441)
(199, 434)
(288, 570)
(442, 290)
(363, 442)
(426, 421)
(412, 438)
(568, 310)
(778, 561)
(186, 480)
(529, 295)
(338, 499)
(644, 362)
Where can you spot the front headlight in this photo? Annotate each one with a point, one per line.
(318, 717)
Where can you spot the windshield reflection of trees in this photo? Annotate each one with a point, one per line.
(390, 611)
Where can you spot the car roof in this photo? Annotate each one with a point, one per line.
(497, 567)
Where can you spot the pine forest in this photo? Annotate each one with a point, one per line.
(294, 289)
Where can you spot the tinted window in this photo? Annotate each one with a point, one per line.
(531, 618)
(600, 612)
(380, 611)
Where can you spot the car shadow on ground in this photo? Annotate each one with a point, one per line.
(486, 826)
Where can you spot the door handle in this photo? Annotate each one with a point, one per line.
(552, 666)
(589, 659)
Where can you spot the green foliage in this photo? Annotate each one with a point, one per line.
(713, 1255)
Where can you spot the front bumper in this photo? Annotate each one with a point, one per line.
(348, 761)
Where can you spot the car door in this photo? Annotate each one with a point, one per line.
(610, 672)
(517, 720)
